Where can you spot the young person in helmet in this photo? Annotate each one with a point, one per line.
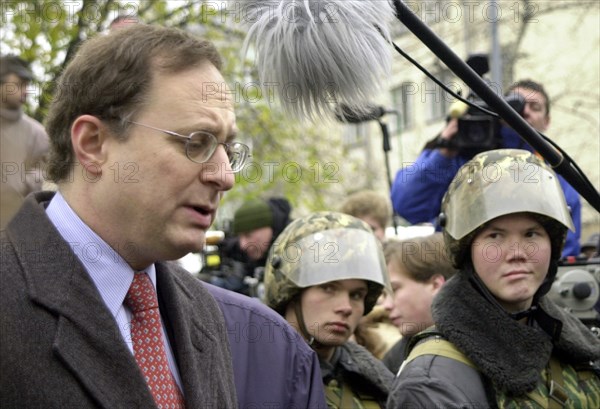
(498, 341)
(324, 272)
(418, 189)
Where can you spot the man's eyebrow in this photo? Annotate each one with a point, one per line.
(231, 136)
(494, 227)
(360, 290)
(232, 133)
(199, 127)
(188, 129)
(210, 127)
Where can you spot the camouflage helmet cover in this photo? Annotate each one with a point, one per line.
(497, 183)
(320, 248)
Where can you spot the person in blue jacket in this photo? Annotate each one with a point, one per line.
(272, 365)
(418, 188)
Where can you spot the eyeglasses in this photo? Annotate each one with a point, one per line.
(201, 146)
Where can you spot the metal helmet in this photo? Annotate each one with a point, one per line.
(497, 183)
(324, 247)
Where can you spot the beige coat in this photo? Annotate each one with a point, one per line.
(23, 150)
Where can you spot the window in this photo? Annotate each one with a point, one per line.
(437, 101)
(403, 100)
(354, 135)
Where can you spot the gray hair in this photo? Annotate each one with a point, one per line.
(319, 53)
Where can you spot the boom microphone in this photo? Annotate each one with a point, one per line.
(314, 54)
(352, 115)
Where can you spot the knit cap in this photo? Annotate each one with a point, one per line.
(252, 215)
(11, 64)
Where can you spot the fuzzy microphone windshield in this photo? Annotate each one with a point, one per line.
(315, 54)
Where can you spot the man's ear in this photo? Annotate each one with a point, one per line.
(88, 137)
(437, 281)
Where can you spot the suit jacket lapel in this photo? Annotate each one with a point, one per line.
(193, 342)
(86, 337)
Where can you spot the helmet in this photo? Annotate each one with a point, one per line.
(497, 183)
(324, 247)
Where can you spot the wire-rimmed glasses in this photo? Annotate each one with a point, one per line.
(200, 146)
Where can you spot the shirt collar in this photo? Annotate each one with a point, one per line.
(108, 270)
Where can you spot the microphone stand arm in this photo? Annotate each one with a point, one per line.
(387, 147)
(562, 165)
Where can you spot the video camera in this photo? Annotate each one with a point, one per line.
(477, 130)
(577, 290)
(220, 269)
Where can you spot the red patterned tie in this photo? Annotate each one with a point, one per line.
(148, 346)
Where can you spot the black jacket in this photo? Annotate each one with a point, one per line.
(397, 354)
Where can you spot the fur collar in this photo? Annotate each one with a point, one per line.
(362, 367)
(357, 359)
(510, 354)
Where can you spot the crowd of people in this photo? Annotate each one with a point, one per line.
(95, 313)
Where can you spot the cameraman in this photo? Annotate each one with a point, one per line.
(418, 188)
(256, 225)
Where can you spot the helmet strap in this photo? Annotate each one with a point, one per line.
(547, 283)
(481, 287)
(489, 297)
(533, 314)
(312, 341)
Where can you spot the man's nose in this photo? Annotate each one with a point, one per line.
(388, 302)
(518, 251)
(218, 170)
(344, 305)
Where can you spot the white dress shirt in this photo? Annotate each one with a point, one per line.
(108, 270)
